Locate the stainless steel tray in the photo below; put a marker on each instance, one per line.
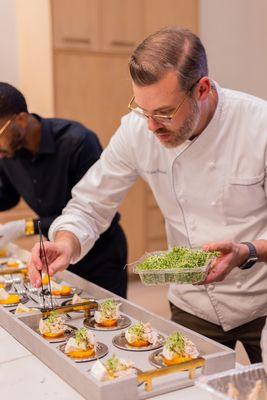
(242, 379)
(217, 357)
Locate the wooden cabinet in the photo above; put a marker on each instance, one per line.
(75, 24)
(97, 25)
(121, 25)
(158, 13)
(92, 83)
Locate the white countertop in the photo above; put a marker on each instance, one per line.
(23, 376)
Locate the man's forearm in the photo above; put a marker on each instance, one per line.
(261, 247)
(69, 240)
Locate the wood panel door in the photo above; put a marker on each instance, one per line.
(75, 24)
(180, 13)
(121, 25)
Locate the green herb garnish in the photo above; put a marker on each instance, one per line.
(81, 335)
(178, 257)
(175, 343)
(180, 265)
(112, 363)
(53, 316)
(108, 308)
(137, 329)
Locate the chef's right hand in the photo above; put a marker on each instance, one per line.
(58, 257)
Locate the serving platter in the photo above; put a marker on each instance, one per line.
(23, 328)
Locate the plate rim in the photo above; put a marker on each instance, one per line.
(112, 328)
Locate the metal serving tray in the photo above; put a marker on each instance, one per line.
(243, 380)
(23, 327)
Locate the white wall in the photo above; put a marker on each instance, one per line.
(8, 42)
(234, 33)
(35, 54)
(26, 51)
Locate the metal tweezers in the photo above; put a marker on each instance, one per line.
(44, 259)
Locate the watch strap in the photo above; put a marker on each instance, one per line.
(252, 256)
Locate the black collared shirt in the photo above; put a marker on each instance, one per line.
(67, 150)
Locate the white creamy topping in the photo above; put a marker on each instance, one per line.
(101, 317)
(52, 327)
(190, 350)
(3, 294)
(2, 279)
(74, 345)
(149, 335)
(99, 371)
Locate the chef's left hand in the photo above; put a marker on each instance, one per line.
(232, 255)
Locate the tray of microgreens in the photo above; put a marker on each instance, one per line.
(179, 265)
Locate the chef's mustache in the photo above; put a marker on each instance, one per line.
(162, 130)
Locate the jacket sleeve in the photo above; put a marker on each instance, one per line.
(9, 197)
(96, 198)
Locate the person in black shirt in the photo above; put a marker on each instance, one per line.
(41, 159)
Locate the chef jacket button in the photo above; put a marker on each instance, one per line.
(238, 285)
(213, 203)
(182, 200)
(212, 165)
(35, 181)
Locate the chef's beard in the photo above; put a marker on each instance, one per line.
(186, 131)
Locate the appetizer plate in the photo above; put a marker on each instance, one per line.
(74, 290)
(63, 338)
(68, 303)
(156, 359)
(101, 351)
(121, 342)
(123, 322)
(23, 300)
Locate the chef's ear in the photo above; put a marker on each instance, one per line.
(22, 120)
(203, 88)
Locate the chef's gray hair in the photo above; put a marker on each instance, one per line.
(169, 49)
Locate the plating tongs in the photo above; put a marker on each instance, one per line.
(44, 259)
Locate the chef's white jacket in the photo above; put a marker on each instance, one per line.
(210, 189)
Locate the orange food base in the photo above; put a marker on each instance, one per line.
(54, 335)
(139, 343)
(12, 298)
(12, 264)
(2, 285)
(64, 291)
(82, 353)
(176, 360)
(108, 322)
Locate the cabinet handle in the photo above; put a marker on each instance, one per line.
(77, 40)
(122, 43)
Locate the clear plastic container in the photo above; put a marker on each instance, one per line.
(241, 380)
(166, 276)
